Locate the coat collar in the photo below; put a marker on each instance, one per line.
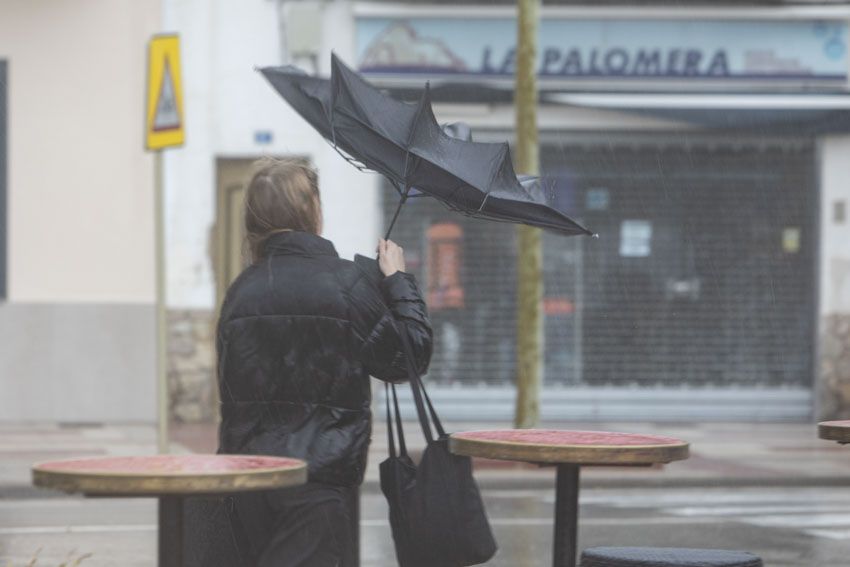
(299, 243)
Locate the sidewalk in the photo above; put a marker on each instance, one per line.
(722, 454)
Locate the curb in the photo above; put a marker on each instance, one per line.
(27, 492)
(548, 483)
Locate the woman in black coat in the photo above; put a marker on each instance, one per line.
(300, 332)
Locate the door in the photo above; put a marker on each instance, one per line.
(231, 254)
(230, 257)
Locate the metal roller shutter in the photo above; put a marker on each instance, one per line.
(703, 275)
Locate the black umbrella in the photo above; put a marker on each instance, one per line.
(405, 143)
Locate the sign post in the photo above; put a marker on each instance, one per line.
(164, 128)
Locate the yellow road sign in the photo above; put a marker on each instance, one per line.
(164, 121)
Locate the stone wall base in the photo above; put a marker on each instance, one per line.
(834, 367)
(193, 391)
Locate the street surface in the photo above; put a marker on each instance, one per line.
(790, 526)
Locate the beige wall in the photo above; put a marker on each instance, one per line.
(80, 185)
(77, 331)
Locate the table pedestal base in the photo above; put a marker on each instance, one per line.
(565, 549)
(170, 531)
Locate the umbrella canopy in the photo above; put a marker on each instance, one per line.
(404, 142)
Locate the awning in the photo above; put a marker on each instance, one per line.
(795, 113)
(798, 113)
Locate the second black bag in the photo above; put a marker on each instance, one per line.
(436, 512)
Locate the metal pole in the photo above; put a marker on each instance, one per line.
(354, 509)
(564, 550)
(170, 548)
(161, 314)
(401, 203)
(529, 353)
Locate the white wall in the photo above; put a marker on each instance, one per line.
(226, 102)
(80, 184)
(834, 236)
(188, 172)
(351, 199)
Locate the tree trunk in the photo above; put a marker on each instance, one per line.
(529, 367)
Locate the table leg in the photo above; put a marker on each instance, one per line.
(354, 509)
(170, 531)
(565, 552)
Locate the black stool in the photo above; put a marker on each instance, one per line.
(666, 557)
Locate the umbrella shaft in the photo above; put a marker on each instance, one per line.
(397, 211)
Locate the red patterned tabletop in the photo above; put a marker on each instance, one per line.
(169, 474)
(835, 431)
(569, 446)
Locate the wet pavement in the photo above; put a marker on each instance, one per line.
(786, 526)
(773, 489)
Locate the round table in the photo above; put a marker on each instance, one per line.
(568, 451)
(835, 431)
(171, 478)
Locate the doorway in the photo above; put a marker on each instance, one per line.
(230, 257)
(230, 249)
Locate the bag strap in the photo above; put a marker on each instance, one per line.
(390, 434)
(419, 393)
(437, 423)
(401, 443)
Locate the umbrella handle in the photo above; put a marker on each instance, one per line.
(397, 211)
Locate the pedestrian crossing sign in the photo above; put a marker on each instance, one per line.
(164, 122)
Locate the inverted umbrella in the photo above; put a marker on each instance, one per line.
(404, 142)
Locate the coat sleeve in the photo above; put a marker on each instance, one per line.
(382, 310)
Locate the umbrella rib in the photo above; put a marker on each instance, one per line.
(484, 202)
(423, 102)
(493, 176)
(357, 164)
(396, 144)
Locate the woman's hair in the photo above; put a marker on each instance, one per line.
(283, 195)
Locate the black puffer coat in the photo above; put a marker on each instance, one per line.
(299, 334)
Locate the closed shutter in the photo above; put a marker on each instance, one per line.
(702, 274)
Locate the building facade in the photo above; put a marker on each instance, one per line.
(705, 146)
(76, 212)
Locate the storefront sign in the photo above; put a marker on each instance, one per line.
(610, 49)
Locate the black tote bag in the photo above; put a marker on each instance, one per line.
(436, 513)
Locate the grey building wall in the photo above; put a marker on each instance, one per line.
(77, 363)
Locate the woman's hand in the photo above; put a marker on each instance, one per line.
(390, 257)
